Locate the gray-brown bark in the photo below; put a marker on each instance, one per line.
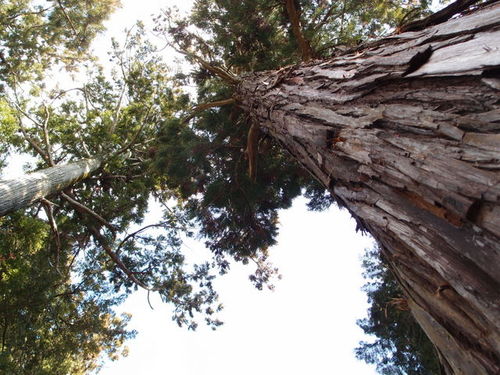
(23, 191)
(405, 133)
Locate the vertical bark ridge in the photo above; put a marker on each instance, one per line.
(405, 135)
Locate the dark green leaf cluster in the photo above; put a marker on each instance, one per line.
(331, 25)
(400, 346)
(236, 215)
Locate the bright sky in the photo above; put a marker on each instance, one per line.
(306, 326)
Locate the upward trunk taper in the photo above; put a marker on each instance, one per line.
(405, 135)
(22, 191)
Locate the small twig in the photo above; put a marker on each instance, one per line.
(137, 232)
(46, 136)
(149, 302)
(84, 145)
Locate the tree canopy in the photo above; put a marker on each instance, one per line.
(49, 323)
(35, 35)
(83, 249)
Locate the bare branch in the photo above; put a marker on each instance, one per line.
(32, 142)
(47, 206)
(201, 107)
(84, 145)
(225, 75)
(21, 14)
(67, 17)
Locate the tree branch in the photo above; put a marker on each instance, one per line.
(219, 72)
(33, 143)
(116, 259)
(46, 136)
(67, 17)
(325, 19)
(251, 150)
(131, 235)
(294, 18)
(47, 206)
(201, 107)
(80, 207)
(135, 136)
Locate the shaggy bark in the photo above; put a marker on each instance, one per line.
(23, 191)
(405, 133)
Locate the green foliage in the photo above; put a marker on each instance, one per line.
(8, 127)
(331, 24)
(400, 346)
(35, 35)
(58, 292)
(47, 325)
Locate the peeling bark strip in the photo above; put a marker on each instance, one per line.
(22, 191)
(406, 136)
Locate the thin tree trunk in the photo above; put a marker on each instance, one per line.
(405, 133)
(23, 191)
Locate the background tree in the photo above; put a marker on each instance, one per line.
(89, 250)
(400, 346)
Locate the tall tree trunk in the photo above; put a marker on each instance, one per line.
(405, 135)
(22, 191)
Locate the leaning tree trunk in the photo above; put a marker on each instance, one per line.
(405, 134)
(22, 191)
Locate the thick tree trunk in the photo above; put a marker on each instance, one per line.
(23, 191)
(405, 133)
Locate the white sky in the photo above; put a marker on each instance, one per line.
(306, 326)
